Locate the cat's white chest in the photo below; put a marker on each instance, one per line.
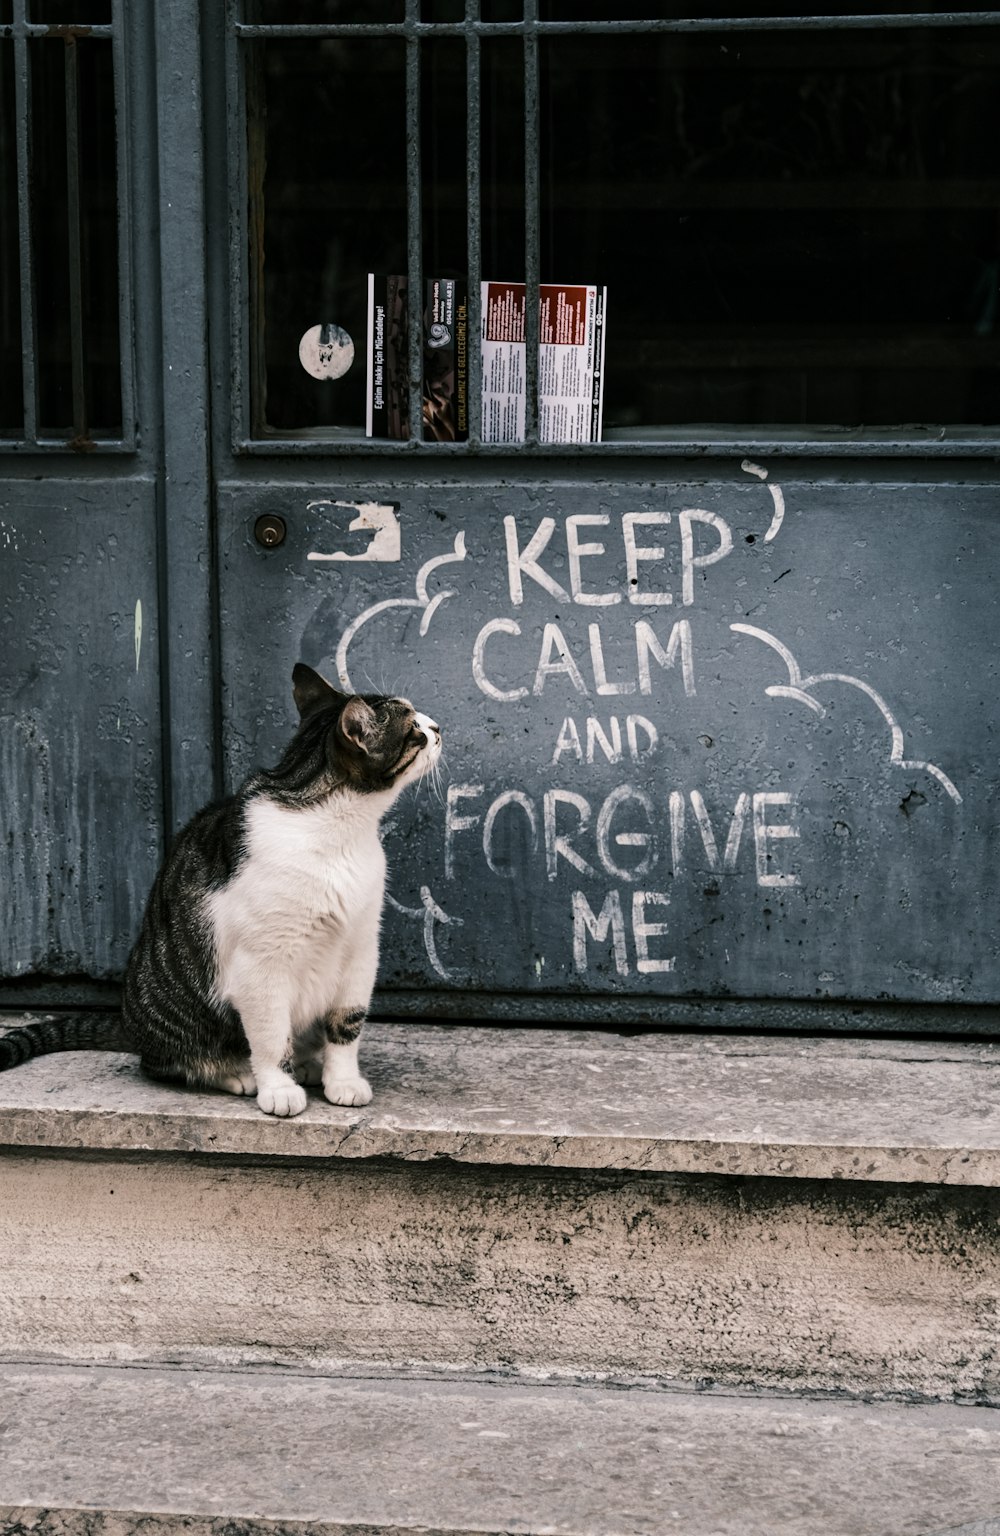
(305, 903)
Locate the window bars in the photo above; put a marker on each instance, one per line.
(64, 305)
(253, 22)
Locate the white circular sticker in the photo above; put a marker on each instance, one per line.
(326, 351)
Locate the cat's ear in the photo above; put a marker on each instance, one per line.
(310, 690)
(356, 724)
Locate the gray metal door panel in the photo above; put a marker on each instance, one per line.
(80, 733)
(707, 739)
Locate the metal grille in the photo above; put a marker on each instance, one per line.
(65, 306)
(414, 32)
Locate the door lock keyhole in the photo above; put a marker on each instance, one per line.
(269, 531)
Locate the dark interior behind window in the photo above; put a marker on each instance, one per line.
(797, 227)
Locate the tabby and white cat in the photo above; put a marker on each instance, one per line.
(254, 968)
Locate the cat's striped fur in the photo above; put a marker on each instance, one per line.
(255, 964)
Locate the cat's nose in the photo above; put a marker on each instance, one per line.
(430, 728)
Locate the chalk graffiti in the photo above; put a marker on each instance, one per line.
(625, 863)
(777, 496)
(556, 659)
(429, 914)
(798, 688)
(626, 818)
(423, 600)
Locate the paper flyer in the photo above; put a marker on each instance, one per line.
(571, 321)
(445, 357)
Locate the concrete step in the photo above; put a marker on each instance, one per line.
(134, 1452)
(770, 1212)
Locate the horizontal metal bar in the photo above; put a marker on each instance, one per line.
(39, 29)
(876, 22)
(985, 446)
(98, 445)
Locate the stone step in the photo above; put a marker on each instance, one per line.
(771, 1212)
(780, 1106)
(133, 1452)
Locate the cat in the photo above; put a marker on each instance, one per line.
(254, 967)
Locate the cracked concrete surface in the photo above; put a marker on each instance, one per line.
(777, 1213)
(774, 1106)
(160, 1451)
(775, 1284)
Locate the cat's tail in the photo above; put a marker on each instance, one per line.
(66, 1032)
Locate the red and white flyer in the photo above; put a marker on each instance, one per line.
(570, 362)
(503, 383)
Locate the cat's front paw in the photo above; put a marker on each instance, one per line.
(283, 1099)
(348, 1090)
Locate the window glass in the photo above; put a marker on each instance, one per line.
(76, 268)
(328, 206)
(454, 10)
(724, 10)
(442, 10)
(321, 221)
(321, 12)
(502, 145)
(64, 13)
(442, 159)
(794, 227)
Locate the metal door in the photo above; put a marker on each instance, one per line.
(107, 736)
(718, 706)
(718, 700)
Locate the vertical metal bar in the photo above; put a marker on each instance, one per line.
(474, 214)
(254, 143)
(186, 600)
(414, 263)
(531, 220)
(22, 99)
(126, 362)
(243, 404)
(74, 227)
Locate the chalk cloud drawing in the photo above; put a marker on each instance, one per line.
(423, 600)
(373, 517)
(777, 496)
(798, 687)
(430, 914)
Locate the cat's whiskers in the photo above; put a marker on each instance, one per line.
(436, 779)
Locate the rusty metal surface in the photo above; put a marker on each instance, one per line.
(730, 739)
